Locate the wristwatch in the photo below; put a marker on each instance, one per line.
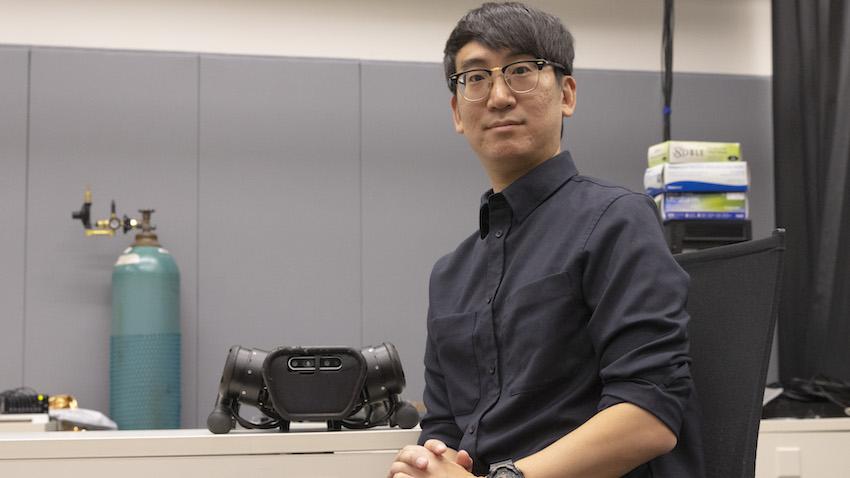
(504, 469)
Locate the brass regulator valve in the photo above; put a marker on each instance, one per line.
(104, 227)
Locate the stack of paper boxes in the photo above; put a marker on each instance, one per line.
(695, 180)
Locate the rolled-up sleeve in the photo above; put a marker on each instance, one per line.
(638, 326)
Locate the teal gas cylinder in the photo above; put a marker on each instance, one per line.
(144, 371)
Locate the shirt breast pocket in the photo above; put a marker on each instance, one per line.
(454, 338)
(543, 324)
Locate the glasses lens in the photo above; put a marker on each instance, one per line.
(522, 77)
(475, 84)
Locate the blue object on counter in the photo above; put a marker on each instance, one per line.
(144, 372)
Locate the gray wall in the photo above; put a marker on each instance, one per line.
(14, 71)
(304, 200)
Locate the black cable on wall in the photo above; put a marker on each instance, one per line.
(667, 69)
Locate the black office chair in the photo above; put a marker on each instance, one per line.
(733, 302)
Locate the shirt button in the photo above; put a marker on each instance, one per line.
(470, 429)
(498, 233)
(491, 370)
(489, 299)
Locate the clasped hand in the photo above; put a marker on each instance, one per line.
(433, 460)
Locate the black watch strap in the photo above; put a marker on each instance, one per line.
(504, 469)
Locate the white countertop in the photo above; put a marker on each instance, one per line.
(784, 425)
(195, 442)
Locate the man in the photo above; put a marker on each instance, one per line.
(556, 333)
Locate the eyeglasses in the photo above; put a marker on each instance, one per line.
(520, 76)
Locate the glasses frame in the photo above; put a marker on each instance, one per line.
(454, 80)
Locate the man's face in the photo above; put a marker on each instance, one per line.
(512, 131)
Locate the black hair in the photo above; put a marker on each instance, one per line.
(513, 26)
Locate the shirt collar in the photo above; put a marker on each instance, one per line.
(530, 190)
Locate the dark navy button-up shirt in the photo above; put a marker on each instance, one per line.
(565, 302)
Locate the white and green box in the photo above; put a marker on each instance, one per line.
(693, 152)
(696, 177)
(677, 206)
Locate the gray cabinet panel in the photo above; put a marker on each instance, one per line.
(617, 118)
(421, 189)
(126, 124)
(279, 223)
(14, 64)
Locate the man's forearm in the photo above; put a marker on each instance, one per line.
(610, 444)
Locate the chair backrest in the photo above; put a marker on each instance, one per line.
(733, 304)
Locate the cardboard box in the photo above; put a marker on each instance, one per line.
(677, 206)
(697, 177)
(693, 152)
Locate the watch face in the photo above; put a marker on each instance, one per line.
(505, 473)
